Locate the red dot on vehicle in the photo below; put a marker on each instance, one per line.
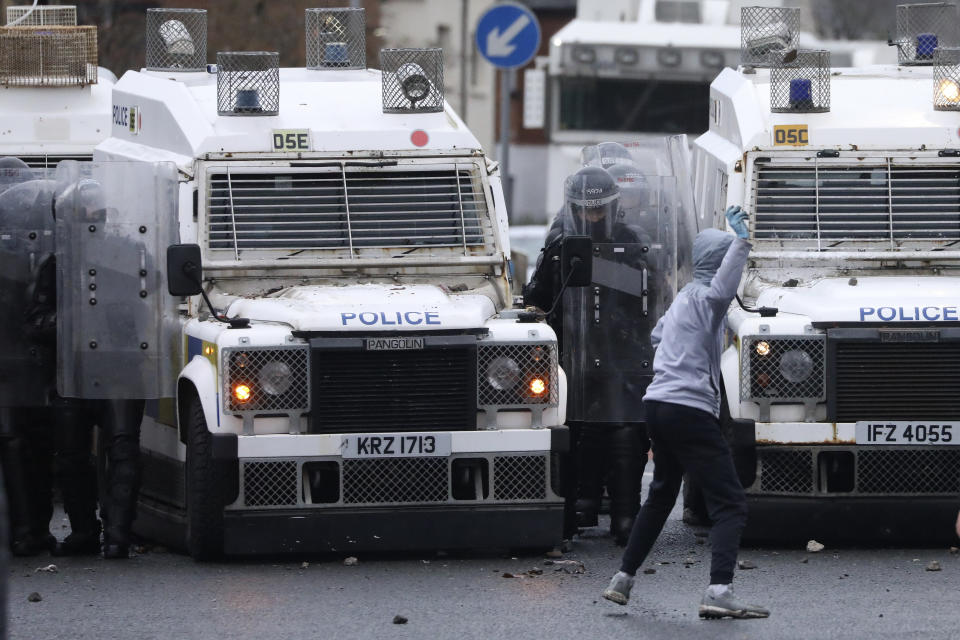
(419, 138)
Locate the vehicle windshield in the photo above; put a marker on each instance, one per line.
(645, 106)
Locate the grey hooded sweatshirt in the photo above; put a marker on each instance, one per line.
(688, 339)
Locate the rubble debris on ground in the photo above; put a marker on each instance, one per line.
(746, 564)
(649, 571)
(567, 566)
(50, 568)
(34, 597)
(398, 619)
(933, 565)
(349, 562)
(815, 547)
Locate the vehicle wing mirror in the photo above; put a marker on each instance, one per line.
(577, 261)
(184, 270)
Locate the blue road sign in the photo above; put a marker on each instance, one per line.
(508, 35)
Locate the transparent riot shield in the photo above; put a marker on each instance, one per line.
(607, 355)
(27, 336)
(117, 327)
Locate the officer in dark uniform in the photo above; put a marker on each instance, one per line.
(27, 364)
(119, 419)
(605, 348)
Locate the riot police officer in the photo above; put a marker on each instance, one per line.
(605, 347)
(118, 419)
(26, 368)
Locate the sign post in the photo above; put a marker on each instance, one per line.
(508, 36)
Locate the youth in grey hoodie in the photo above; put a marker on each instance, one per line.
(688, 338)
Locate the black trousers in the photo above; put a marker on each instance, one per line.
(687, 439)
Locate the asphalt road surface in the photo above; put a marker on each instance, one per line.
(836, 593)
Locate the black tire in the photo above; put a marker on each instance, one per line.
(204, 491)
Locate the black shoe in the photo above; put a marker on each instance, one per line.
(32, 544)
(620, 527)
(79, 543)
(587, 513)
(116, 551)
(694, 518)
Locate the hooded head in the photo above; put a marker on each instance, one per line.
(709, 247)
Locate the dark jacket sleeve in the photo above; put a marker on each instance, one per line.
(542, 288)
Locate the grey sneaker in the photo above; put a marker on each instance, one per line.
(619, 588)
(721, 603)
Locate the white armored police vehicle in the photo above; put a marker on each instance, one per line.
(55, 101)
(356, 378)
(843, 382)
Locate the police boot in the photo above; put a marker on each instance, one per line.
(120, 423)
(77, 475)
(591, 471)
(23, 539)
(627, 464)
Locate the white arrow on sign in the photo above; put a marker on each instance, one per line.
(498, 45)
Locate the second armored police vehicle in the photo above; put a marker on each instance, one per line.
(844, 374)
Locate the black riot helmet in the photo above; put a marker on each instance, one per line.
(591, 197)
(613, 153)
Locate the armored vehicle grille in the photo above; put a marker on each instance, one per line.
(883, 381)
(371, 391)
(396, 480)
(346, 208)
(801, 471)
(922, 471)
(870, 202)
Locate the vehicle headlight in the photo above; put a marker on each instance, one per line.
(275, 377)
(503, 373)
(796, 365)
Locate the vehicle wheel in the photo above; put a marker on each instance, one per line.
(204, 499)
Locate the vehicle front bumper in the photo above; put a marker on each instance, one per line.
(411, 528)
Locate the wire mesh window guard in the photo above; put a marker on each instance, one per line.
(801, 86)
(248, 83)
(336, 39)
(347, 208)
(54, 15)
(412, 80)
(766, 30)
(946, 79)
(176, 39)
(874, 201)
(921, 28)
(48, 56)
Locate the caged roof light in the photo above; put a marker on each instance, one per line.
(336, 39)
(921, 28)
(61, 15)
(412, 80)
(765, 31)
(946, 79)
(48, 56)
(176, 39)
(248, 83)
(801, 85)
